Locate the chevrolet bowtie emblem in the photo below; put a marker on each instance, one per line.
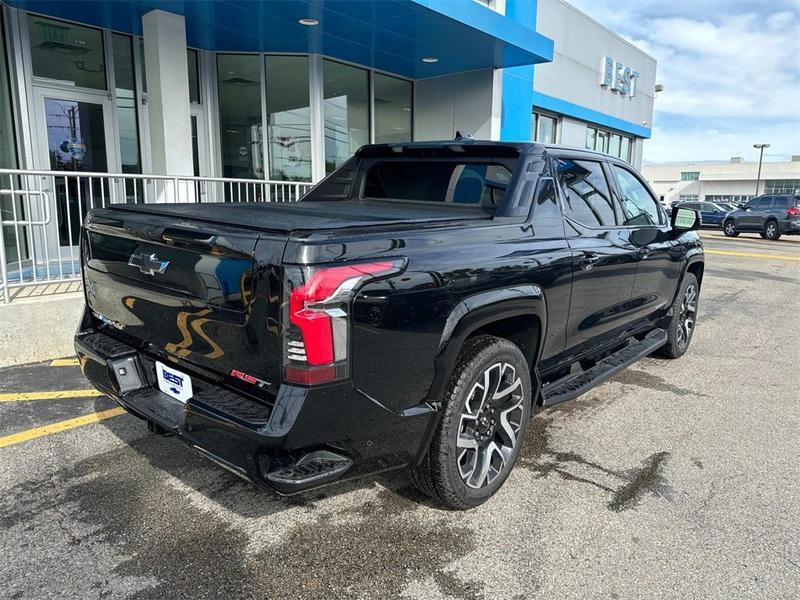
(149, 264)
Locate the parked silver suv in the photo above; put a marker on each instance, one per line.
(772, 216)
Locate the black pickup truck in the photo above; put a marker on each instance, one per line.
(414, 309)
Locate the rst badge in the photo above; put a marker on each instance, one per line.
(149, 264)
(174, 383)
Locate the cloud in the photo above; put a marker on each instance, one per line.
(732, 66)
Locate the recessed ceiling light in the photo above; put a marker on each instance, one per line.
(430, 59)
(308, 21)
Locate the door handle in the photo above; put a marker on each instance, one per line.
(588, 260)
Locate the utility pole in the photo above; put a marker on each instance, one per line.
(760, 158)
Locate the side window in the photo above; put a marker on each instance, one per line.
(782, 202)
(638, 206)
(547, 222)
(765, 203)
(587, 196)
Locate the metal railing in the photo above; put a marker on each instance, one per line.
(41, 213)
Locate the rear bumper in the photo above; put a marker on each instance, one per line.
(299, 439)
(789, 227)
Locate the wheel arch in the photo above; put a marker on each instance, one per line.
(515, 313)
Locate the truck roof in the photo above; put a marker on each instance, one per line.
(472, 147)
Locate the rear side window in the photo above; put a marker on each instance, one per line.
(586, 193)
(480, 184)
(784, 202)
(638, 206)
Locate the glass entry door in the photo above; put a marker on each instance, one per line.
(76, 135)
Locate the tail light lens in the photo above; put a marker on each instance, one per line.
(793, 212)
(317, 317)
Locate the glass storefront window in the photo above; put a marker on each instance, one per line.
(545, 129)
(625, 149)
(591, 137)
(67, 52)
(602, 141)
(393, 99)
(346, 111)
(239, 78)
(614, 146)
(192, 61)
(8, 155)
(125, 81)
(288, 118)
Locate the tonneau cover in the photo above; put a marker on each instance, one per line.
(312, 215)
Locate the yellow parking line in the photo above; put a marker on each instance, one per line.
(32, 434)
(64, 362)
(62, 395)
(754, 255)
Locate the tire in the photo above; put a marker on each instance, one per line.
(684, 318)
(771, 231)
(729, 228)
(476, 430)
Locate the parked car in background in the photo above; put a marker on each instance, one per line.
(772, 216)
(712, 214)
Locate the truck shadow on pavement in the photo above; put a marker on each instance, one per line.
(159, 512)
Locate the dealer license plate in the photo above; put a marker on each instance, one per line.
(174, 383)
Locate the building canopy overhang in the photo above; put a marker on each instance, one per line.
(389, 35)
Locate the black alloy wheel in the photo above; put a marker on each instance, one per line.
(485, 413)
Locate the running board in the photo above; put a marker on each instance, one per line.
(574, 385)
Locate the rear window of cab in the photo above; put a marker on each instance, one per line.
(476, 183)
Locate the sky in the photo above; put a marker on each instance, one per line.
(730, 70)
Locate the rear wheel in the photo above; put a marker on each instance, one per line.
(729, 228)
(684, 318)
(485, 413)
(771, 231)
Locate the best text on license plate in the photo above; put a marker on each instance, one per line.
(172, 382)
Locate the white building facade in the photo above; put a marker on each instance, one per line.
(735, 181)
(598, 91)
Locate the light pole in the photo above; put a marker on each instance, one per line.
(760, 158)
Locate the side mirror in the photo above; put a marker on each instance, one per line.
(685, 219)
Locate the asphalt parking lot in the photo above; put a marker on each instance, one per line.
(673, 479)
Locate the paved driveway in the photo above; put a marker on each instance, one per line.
(674, 479)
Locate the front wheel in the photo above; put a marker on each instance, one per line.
(485, 413)
(729, 228)
(684, 317)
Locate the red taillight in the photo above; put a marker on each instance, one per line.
(793, 212)
(317, 331)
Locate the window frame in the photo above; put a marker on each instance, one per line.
(535, 116)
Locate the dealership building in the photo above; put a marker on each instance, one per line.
(160, 100)
(287, 90)
(734, 181)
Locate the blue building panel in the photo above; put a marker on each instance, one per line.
(587, 114)
(515, 120)
(390, 35)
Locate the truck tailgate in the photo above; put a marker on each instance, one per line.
(178, 287)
